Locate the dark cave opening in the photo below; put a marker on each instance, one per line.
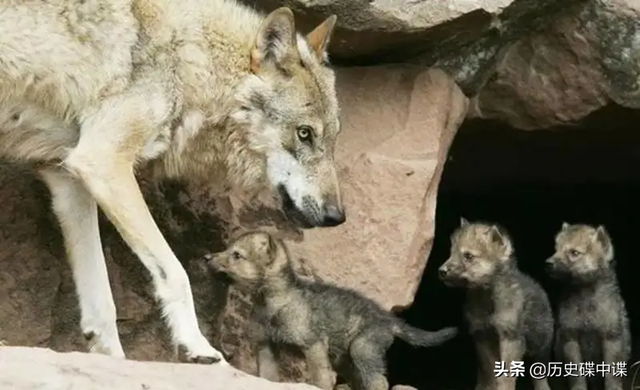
(530, 182)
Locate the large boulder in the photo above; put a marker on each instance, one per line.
(464, 37)
(582, 61)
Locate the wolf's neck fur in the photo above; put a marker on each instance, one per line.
(204, 144)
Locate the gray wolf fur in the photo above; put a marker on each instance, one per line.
(337, 329)
(592, 323)
(508, 312)
(204, 91)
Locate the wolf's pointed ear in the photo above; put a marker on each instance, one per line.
(276, 40)
(565, 225)
(463, 222)
(602, 237)
(320, 36)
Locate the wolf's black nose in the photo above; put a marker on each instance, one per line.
(333, 216)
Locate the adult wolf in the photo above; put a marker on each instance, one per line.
(204, 90)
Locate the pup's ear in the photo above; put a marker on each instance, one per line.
(275, 42)
(602, 237)
(320, 36)
(496, 236)
(565, 225)
(463, 222)
(499, 237)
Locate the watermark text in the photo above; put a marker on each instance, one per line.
(538, 370)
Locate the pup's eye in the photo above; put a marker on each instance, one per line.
(468, 256)
(305, 133)
(235, 255)
(574, 252)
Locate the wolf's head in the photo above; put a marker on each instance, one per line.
(253, 260)
(582, 253)
(479, 251)
(290, 112)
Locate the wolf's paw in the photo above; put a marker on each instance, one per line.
(203, 354)
(105, 343)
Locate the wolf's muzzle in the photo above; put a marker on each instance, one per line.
(333, 216)
(312, 216)
(291, 211)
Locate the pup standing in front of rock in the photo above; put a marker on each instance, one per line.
(336, 328)
(593, 325)
(509, 314)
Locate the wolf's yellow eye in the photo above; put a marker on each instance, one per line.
(305, 133)
(574, 252)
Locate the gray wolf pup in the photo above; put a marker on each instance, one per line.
(592, 319)
(205, 91)
(337, 329)
(509, 314)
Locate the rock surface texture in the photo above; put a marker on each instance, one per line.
(579, 63)
(531, 63)
(43, 369)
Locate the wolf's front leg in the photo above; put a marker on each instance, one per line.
(572, 354)
(612, 353)
(112, 138)
(268, 367)
(511, 350)
(486, 357)
(77, 215)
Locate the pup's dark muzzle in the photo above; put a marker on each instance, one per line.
(442, 273)
(554, 268)
(214, 269)
(222, 277)
(449, 277)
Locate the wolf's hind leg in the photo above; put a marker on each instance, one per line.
(268, 367)
(367, 354)
(77, 214)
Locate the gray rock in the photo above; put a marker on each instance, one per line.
(583, 61)
(463, 37)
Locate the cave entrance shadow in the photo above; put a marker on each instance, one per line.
(530, 182)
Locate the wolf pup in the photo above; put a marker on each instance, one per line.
(592, 318)
(206, 91)
(509, 314)
(337, 329)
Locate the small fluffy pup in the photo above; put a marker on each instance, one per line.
(593, 325)
(337, 329)
(508, 312)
